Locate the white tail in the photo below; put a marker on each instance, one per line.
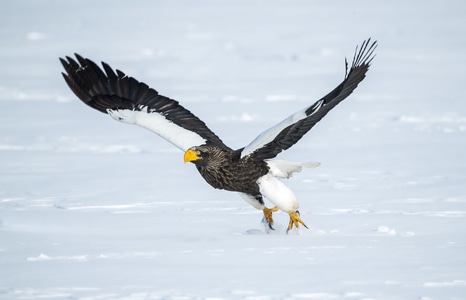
(285, 169)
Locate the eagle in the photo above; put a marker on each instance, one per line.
(250, 171)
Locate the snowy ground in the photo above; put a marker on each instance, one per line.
(94, 209)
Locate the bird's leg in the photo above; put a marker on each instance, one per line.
(295, 220)
(268, 215)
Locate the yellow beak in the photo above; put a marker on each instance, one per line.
(190, 155)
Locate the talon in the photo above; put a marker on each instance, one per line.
(295, 220)
(268, 215)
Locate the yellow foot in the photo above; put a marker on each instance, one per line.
(268, 215)
(295, 220)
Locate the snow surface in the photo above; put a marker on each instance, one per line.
(95, 209)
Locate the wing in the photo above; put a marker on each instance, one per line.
(286, 133)
(128, 100)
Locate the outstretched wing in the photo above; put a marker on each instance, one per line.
(128, 100)
(286, 133)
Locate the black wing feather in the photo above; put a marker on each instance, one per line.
(106, 90)
(294, 132)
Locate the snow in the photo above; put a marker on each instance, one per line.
(95, 209)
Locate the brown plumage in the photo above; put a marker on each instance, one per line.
(223, 169)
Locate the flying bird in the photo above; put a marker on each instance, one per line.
(250, 171)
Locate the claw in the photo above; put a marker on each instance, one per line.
(268, 215)
(295, 220)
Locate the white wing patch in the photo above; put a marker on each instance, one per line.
(271, 133)
(251, 200)
(177, 135)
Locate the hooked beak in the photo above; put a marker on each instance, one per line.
(191, 155)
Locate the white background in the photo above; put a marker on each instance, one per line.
(94, 209)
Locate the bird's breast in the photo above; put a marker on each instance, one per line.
(238, 177)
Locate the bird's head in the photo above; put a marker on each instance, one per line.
(196, 155)
(207, 156)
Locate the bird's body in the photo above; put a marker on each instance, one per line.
(229, 172)
(250, 171)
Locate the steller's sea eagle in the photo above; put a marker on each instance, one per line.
(251, 170)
